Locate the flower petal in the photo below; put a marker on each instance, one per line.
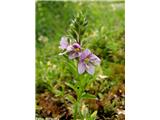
(73, 55)
(90, 69)
(64, 43)
(70, 48)
(76, 45)
(81, 67)
(94, 59)
(85, 54)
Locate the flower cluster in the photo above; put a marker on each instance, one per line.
(86, 59)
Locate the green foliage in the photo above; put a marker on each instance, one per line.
(104, 36)
(78, 27)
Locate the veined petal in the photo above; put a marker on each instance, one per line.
(81, 67)
(79, 53)
(85, 54)
(70, 48)
(73, 55)
(64, 43)
(76, 45)
(94, 59)
(90, 69)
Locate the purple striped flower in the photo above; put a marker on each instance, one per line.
(87, 62)
(73, 50)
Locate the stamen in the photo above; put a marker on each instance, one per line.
(77, 49)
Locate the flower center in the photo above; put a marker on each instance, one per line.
(77, 49)
(86, 60)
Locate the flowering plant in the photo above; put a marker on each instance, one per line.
(71, 45)
(87, 60)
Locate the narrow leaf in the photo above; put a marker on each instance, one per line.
(88, 96)
(71, 86)
(71, 98)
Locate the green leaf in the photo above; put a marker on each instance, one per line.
(88, 96)
(57, 92)
(71, 86)
(71, 98)
(94, 114)
(76, 110)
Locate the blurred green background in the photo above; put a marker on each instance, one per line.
(105, 36)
